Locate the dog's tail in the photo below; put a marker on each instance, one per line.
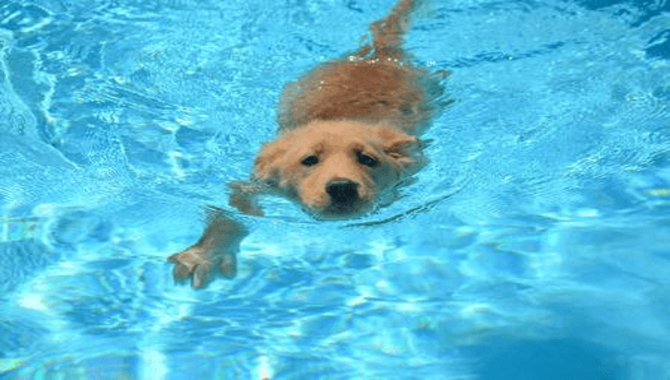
(388, 33)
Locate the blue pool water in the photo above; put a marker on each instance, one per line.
(535, 246)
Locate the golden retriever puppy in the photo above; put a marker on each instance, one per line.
(334, 168)
(347, 135)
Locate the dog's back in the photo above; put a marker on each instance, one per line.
(377, 83)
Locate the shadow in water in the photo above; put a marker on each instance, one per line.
(547, 360)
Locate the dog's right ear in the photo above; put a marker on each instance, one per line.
(266, 167)
(403, 149)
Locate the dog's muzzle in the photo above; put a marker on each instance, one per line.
(342, 192)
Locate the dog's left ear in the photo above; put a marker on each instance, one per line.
(266, 168)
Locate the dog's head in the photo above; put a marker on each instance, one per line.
(338, 169)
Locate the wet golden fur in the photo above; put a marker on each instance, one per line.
(359, 116)
(348, 133)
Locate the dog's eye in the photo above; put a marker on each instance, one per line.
(310, 160)
(367, 160)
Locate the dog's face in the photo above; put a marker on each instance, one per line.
(338, 169)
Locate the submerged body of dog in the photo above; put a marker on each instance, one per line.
(347, 134)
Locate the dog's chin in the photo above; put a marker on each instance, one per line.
(341, 211)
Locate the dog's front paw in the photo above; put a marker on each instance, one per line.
(202, 266)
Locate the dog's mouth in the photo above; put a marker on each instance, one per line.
(344, 201)
(341, 199)
(338, 211)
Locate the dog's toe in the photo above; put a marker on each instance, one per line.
(180, 273)
(201, 276)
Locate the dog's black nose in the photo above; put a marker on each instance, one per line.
(342, 191)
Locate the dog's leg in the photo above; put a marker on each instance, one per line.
(244, 196)
(214, 254)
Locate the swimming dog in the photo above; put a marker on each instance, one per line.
(348, 134)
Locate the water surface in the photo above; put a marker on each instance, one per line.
(536, 245)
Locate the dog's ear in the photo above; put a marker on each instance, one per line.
(397, 144)
(266, 167)
(403, 149)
